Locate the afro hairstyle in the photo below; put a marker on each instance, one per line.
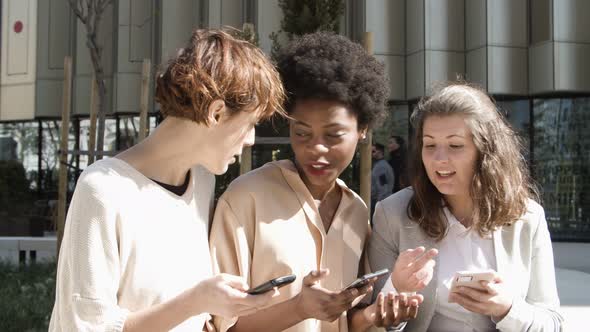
(324, 65)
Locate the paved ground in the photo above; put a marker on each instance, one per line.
(574, 293)
(572, 262)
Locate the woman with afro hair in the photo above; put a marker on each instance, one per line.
(296, 216)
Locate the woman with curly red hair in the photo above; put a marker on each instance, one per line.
(135, 254)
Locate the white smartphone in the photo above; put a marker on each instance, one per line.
(472, 278)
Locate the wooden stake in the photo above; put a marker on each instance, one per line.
(246, 157)
(366, 145)
(246, 160)
(63, 155)
(143, 103)
(93, 112)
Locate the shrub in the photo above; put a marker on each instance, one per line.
(28, 294)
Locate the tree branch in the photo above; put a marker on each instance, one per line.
(90, 13)
(78, 9)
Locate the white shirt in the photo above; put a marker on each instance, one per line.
(129, 244)
(460, 250)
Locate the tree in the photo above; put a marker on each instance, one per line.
(306, 16)
(89, 12)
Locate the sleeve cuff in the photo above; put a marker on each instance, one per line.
(397, 328)
(388, 287)
(117, 321)
(517, 317)
(224, 324)
(87, 312)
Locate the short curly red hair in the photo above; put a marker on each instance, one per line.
(217, 66)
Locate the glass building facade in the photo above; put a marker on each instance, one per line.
(531, 55)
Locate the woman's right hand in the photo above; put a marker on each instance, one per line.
(413, 269)
(317, 302)
(225, 295)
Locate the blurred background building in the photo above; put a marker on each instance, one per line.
(531, 55)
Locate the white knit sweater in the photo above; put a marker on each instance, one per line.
(129, 244)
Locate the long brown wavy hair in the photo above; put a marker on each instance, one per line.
(501, 184)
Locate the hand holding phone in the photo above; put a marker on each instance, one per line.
(494, 299)
(362, 281)
(472, 279)
(276, 282)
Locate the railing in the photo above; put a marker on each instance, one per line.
(27, 249)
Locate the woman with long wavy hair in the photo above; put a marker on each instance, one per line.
(473, 201)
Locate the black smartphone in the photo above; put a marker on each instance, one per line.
(362, 281)
(276, 282)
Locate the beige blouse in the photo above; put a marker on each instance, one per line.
(267, 225)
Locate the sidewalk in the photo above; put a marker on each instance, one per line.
(574, 294)
(572, 271)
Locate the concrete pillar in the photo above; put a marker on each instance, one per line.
(560, 49)
(135, 42)
(435, 44)
(496, 50)
(386, 19)
(55, 33)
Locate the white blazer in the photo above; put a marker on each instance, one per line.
(524, 257)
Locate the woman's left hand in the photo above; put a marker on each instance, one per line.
(493, 300)
(391, 310)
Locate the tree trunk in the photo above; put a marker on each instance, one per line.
(102, 95)
(95, 56)
(89, 12)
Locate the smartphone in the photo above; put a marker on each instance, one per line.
(276, 282)
(362, 281)
(472, 278)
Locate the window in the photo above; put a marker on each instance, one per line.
(128, 132)
(19, 141)
(518, 114)
(400, 121)
(561, 164)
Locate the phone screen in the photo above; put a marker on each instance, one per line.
(472, 278)
(276, 282)
(362, 281)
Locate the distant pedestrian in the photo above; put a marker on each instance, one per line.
(382, 176)
(398, 161)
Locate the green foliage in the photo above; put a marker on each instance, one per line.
(28, 294)
(306, 16)
(248, 33)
